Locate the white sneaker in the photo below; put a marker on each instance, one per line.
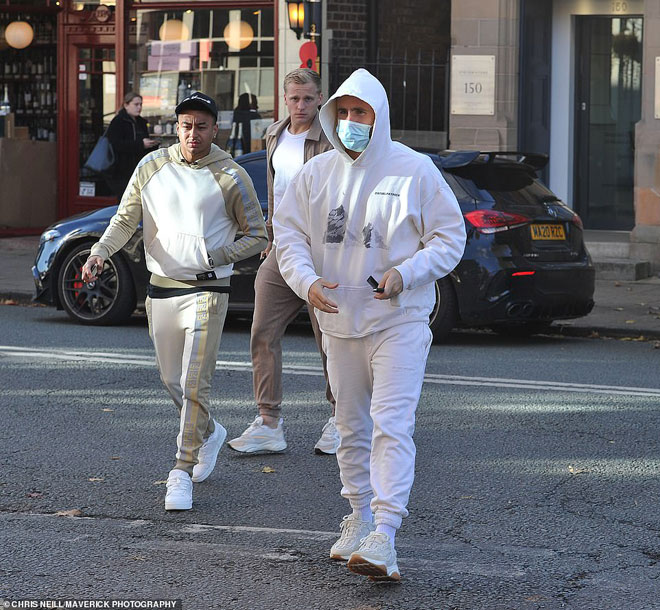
(179, 491)
(260, 438)
(375, 558)
(329, 440)
(208, 454)
(353, 530)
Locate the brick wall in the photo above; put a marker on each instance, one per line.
(348, 47)
(414, 25)
(417, 30)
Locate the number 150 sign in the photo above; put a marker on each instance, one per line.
(473, 84)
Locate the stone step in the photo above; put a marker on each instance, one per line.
(621, 269)
(608, 249)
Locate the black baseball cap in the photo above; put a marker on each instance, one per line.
(198, 101)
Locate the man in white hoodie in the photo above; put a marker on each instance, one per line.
(192, 199)
(370, 208)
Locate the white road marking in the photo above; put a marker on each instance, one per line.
(231, 365)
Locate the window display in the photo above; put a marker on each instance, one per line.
(224, 53)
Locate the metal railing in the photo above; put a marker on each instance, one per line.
(417, 87)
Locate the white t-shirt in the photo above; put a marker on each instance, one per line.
(288, 158)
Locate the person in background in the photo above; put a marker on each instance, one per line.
(192, 200)
(289, 144)
(129, 136)
(254, 105)
(362, 233)
(243, 114)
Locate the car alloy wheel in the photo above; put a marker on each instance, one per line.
(108, 300)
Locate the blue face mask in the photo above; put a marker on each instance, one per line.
(354, 136)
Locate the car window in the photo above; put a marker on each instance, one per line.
(507, 186)
(456, 185)
(257, 170)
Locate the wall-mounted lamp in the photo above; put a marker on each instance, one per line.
(19, 34)
(296, 16)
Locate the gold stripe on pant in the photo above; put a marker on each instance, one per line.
(186, 332)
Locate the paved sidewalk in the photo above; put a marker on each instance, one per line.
(623, 309)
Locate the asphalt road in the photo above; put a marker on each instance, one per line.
(537, 479)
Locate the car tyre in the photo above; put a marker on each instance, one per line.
(444, 315)
(110, 300)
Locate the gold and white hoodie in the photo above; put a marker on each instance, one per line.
(344, 220)
(189, 211)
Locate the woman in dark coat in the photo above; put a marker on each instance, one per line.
(243, 114)
(129, 136)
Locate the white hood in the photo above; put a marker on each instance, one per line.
(364, 85)
(344, 220)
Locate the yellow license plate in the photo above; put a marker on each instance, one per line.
(548, 232)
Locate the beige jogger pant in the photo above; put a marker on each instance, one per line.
(275, 307)
(186, 332)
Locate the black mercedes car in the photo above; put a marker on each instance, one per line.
(525, 263)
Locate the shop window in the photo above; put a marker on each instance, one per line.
(224, 53)
(28, 71)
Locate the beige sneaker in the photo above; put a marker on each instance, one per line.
(353, 530)
(259, 438)
(329, 440)
(376, 558)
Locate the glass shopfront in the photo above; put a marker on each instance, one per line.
(226, 53)
(65, 66)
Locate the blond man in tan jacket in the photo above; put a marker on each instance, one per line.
(289, 144)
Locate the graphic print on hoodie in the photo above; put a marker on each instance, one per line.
(344, 220)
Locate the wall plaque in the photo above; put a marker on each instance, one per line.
(473, 84)
(657, 88)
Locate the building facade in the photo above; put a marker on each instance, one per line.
(575, 79)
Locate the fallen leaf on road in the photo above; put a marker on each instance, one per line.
(34, 494)
(95, 479)
(617, 284)
(160, 482)
(74, 512)
(138, 558)
(8, 302)
(107, 410)
(267, 469)
(115, 457)
(618, 309)
(574, 470)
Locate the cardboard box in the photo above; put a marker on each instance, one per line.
(7, 126)
(21, 133)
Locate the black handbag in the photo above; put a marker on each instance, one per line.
(102, 157)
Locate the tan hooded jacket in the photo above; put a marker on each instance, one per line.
(316, 142)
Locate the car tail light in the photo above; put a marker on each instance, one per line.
(492, 221)
(522, 273)
(577, 221)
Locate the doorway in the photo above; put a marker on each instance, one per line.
(608, 96)
(91, 97)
